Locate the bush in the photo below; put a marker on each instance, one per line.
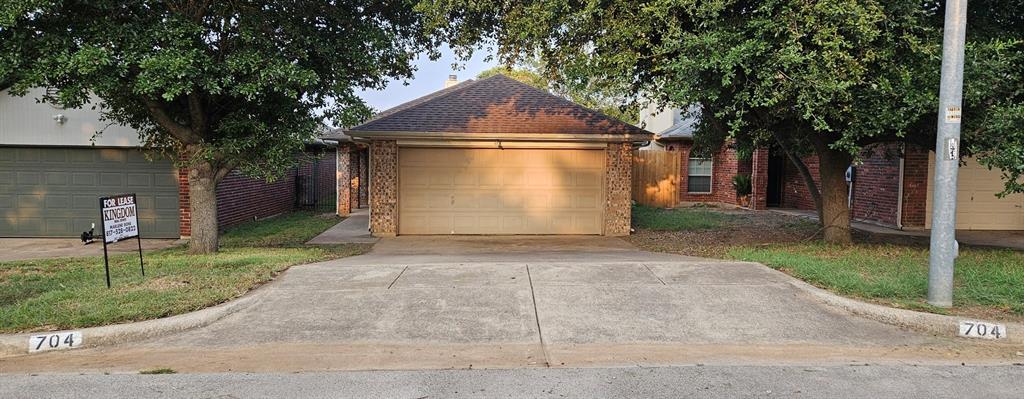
(742, 185)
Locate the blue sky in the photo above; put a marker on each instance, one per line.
(429, 77)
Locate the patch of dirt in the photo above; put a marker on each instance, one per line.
(751, 228)
(743, 228)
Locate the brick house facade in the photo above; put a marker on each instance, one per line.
(890, 186)
(889, 189)
(725, 165)
(497, 156)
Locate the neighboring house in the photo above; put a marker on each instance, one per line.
(52, 175)
(890, 187)
(496, 156)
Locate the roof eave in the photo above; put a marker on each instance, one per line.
(552, 137)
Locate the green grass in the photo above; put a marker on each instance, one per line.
(158, 371)
(52, 294)
(986, 280)
(658, 219)
(288, 230)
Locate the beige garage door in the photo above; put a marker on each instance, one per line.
(500, 191)
(977, 206)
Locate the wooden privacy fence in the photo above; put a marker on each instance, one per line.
(656, 178)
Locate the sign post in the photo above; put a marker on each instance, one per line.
(120, 218)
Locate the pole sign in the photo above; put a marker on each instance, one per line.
(120, 218)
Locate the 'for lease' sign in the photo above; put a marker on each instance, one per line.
(120, 217)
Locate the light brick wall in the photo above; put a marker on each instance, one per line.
(618, 201)
(384, 188)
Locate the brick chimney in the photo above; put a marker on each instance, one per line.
(452, 81)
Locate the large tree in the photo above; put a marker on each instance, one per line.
(219, 85)
(826, 77)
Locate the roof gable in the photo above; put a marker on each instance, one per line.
(495, 105)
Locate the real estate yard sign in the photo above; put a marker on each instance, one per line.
(120, 216)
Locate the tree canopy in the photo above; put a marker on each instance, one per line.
(224, 84)
(617, 105)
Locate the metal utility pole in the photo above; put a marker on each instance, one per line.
(947, 157)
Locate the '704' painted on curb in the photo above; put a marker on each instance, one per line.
(47, 342)
(980, 329)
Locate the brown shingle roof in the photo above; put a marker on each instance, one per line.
(495, 105)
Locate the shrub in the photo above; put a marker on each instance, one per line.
(742, 185)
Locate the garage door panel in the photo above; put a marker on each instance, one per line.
(57, 202)
(58, 178)
(166, 202)
(591, 179)
(84, 179)
(139, 180)
(112, 179)
(56, 226)
(491, 191)
(30, 201)
(56, 191)
(978, 208)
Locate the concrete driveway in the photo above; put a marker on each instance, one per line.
(443, 302)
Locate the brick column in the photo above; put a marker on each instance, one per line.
(364, 178)
(343, 180)
(357, 181)
(759, 179)
(184, 208)
(384, 188)
(915, 187)
(618, 170)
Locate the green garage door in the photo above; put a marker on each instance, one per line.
(54, 192)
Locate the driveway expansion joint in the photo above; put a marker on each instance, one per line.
(398, 277)
(648, 267)
(536, 316)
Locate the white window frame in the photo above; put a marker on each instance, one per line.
(710, 175)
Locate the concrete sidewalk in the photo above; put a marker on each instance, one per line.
(1013, 239)
(522, 302)
(39, 248)
(355, 229)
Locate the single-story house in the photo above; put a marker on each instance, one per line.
(52, 175)
(890, 187)
(497, 156)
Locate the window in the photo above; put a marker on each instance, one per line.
(699, 175)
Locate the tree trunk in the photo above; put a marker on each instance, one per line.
(835, 209)
(202, 190)
(805, 173)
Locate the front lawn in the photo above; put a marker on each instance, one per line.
(987, 282)
(886, 269)
(54, 294)
(658, 219)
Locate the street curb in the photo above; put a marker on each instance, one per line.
(937, 324)
(17, 344)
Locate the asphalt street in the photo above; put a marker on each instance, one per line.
(848, 381)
